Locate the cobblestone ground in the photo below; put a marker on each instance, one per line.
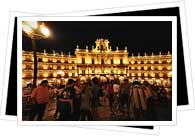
(103, 112)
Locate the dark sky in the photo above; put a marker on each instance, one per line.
(138, 36)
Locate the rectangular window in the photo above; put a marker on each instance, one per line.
(121, 61)
(102, 61)
(112, 61)
(83, 60)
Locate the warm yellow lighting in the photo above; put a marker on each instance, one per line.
(45, 59)
(54, 74)
(33, 24)
(132, 62)
(54, 60)
(27, 29)
(159, 61)
(160, 74)
(169, 68)
(45, 74)
(54, 67)
(45, 66)
(139, 74)
(23, 66)
(159, 68)
(23, 58)
(168, 60)
(69, 74)
(62, 67)
(23, 75)
(145, 68)
(145, 74)
(145, 61)
(169, 74)
(152, 67)
(152, 74)
(132, 74)
(62, 60)
(138, 62)
(44, 30)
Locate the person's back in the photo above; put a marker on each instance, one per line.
(95, 91)
(85, 100)
(40, 98)
(110, 89)
(41, 94)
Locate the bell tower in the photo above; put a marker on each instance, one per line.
(102, 44)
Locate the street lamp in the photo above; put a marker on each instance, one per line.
(35, 30)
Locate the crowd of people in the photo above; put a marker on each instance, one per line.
(80, 100)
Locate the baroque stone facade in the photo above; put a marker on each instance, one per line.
(101, 61)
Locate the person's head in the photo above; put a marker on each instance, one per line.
(95, 80)
(126, 81)
(84, 87)
(44, 83)
(70, 82)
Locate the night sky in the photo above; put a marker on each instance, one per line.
(138, 36)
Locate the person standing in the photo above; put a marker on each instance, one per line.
(110, 95)
(125, 95)
(40, 98)
(95, 97)
(58, 92)
(85, 103)
(66, 99)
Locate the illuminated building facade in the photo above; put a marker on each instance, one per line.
(100, 61)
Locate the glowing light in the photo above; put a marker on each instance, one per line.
(27, 29)
(160, 74)
(45, 66)
(145, 68)
(132, 74)
(33, 24)
(45, 59)
(44, 30)
(69, 74)
(145, 74)
(169, 68)
(54, 60)
(159, 68)
(138, 62)
(169, 74)
(45, 74)
(152, 67)
(54, 67)
(168, 60)
(132, 62)
(54, 74)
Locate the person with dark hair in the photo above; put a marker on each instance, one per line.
(125, 95)
(85, 103)
(110, 95)
(58, 92)
(40, 98)
(77, 100)
(66, 100)
(95, 97)
(101, 94)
